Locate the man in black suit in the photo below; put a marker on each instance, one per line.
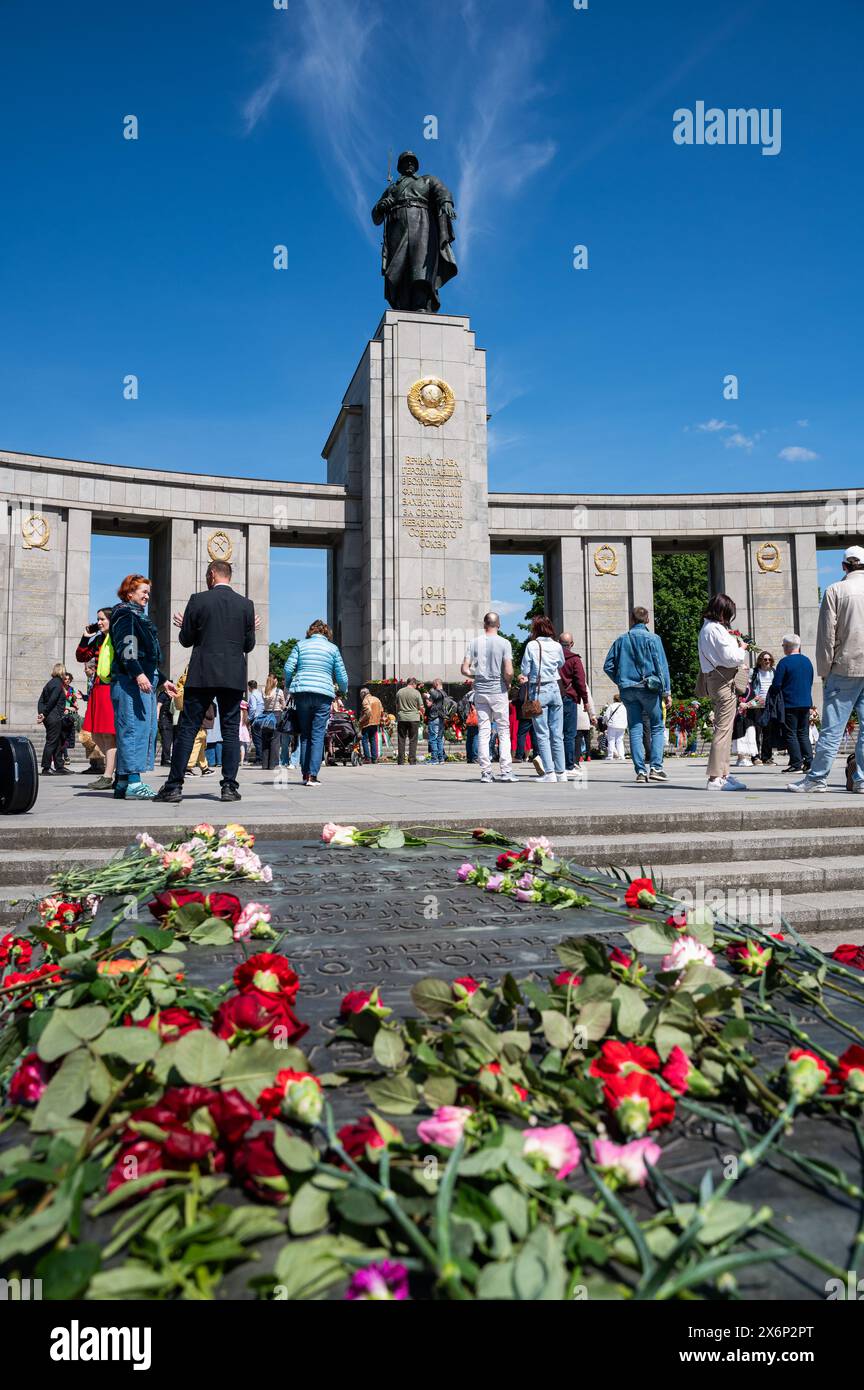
(220, 627)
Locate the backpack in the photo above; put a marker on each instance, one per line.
(450, 707)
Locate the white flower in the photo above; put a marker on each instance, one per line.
(538, 848)
(687, 948)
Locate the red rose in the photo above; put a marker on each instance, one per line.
(171, 1024)
(233, 1115)
(640, 893)
(269, 973)
(256, 1166)
(618, 957)
(354, 1002)
(186, 1146)
(173, 898)
(254, 1014)
(849, 954)
(678, 920)
(357, 1138)
(135, 1161)
(622, 1058)
(850, 1069)
(508, 857)
(638, 1103)
(465, 986)
(567, 977)
(223, 905)
(15, 950)
(18, 977)
(29, 1081)
(749, 957)
(677, 1070)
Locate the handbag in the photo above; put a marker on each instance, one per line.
(652, 683)
(532, 708)
(287, 721)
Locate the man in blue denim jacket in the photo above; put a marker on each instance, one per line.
(637, 664)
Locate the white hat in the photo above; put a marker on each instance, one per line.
(791, 640)
(855, 552)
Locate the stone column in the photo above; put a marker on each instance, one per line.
(733, 563)
(37, 608)
(7, 512)
(805, 580)
(345, 604)
(258, 589)
(76, 612)
(642, 574)
(565, 588)
(425, 504)
(772, 591)
(608, 607)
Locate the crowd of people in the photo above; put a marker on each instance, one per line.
(213, 717)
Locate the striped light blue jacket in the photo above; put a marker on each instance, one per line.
(314, 664)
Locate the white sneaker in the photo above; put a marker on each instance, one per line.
(744, 762)
(507, 777)
(806, 784)
(485, 776)
(725, 784)
(575, 774)
(537, 763)
(548, 777)
(562, 776)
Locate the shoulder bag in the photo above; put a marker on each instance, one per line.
(532, 708)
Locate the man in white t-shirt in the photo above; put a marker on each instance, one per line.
(489, 664)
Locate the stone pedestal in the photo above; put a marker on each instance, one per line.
(419, 460)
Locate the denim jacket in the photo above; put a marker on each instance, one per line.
(635, 655)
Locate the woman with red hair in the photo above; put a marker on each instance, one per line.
(135, 679)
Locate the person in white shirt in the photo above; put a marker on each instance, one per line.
(615, 716)
(720, 656)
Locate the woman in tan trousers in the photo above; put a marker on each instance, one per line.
(720, 656)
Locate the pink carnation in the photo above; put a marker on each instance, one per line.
(445, 1127)
(557, 1146)
(627, 1162)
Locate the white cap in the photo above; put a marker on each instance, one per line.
(791, 640)
(855, 552)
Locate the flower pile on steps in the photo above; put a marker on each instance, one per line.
(536, 1164)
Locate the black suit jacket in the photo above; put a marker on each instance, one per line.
(220, 626)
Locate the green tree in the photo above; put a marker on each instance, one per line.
(279, 654)
(535, 585)
(680, 594)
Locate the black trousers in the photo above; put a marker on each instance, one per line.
(406, 734)
(53, 725)
(798, 735)
(166, 732)
(196, 701)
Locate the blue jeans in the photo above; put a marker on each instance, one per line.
(638, 702)
(471, 734)
(313, 714)
(369, 739)
(548, 728)
(841, 694)
(213, 754)
(135, 718)
(571, 709)
(435, 735)
(256, 727)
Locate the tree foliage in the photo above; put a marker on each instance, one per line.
(680, 594)
(279, 653)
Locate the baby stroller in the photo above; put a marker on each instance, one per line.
(342, 740)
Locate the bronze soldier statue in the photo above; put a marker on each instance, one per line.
(416, 260)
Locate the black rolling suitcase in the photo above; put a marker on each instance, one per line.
(19, 775)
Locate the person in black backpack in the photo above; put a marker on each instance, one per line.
(50, 711)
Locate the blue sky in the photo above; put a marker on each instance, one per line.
(260, 126)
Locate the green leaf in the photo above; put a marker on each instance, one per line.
(133, 1045)
(129, 1281)
(395, 1095)
(392, 838)
(388, 1048)
(308, 1268)
(359, 1208)
(200, 1057)
(595, 1019)
(65, 1274)
(557, 1029)
(433, 997)
(652, 939)
(65, 1093)
(440, 1090)
(156, 937)
(666, 1037)
(57, 1037)
(496, 1281)
(252, 1067)
(34, 1231)
(215, 931)
(723, 1218)
(88, 1021)
(529, 1276)
(485, 1042)
(630, 1010)
(513, 1206)
(309, 1210)
(294, 1153)
(253, 1223)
